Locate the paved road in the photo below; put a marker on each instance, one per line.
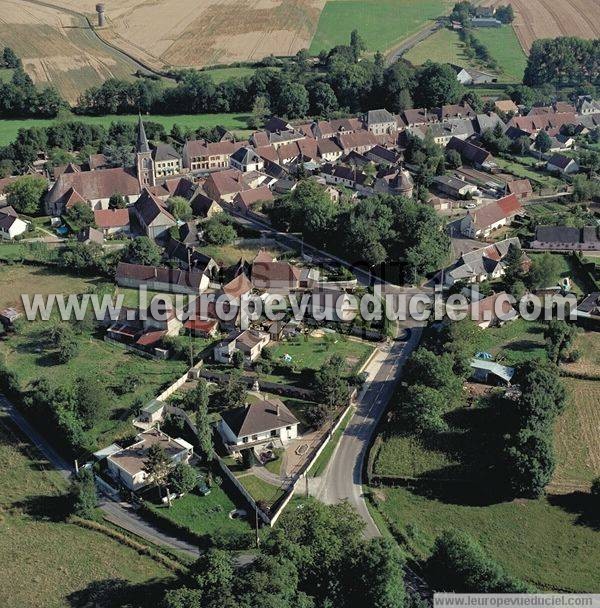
(118, 513)
(412, 41)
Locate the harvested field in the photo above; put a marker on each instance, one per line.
(549, 19)
(195, 33)
(58, 48)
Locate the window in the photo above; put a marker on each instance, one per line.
(273, 433)
(254, 437)
(245, 440)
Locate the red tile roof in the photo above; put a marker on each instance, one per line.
(111, 218)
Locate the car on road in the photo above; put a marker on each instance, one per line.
(470, 206)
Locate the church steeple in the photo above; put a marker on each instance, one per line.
(142, 145)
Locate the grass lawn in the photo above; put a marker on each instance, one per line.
(274, 466)
(525, 170)
(540, 541)
(504, 47)
(206, 514)
(381, 23)
(227, 73)
(514, 342)
(47, 562)
(588, 344)
(235, 122)
(323, 459)
(577, 441)
(227, 255)
(107, 363)
(309, 354)
(261, 490)
(580, 282)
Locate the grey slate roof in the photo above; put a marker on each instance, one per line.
(259, 417)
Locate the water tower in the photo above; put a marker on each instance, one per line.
(101, 15)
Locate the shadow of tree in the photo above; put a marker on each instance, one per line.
(582, 504)
(44, 507)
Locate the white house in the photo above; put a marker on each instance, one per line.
(562, 164)
(250, 342)
(11, 225)
(127, 465)
(483, 221)
(263, 421)
(245, 160)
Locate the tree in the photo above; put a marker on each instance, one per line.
(80, 216)
(91, 401)
(437, 86)
(219, 231)
(157, 466)
(322, 99)
(459, 564)
(453, 159)
(542, 143)
(180, 208)
(142, 251)
(559, 337)
(203, 426)
(238, 359)
(26, 194)
(117, 201)
(214, 574)
(513, 265)
(461, 339)
(529, 459)
(422, 409)
(84, 497)
(292, 99)
(545, 271)
(357, 44)
(506, 14)
(183, 478)
(260, 110)
(10, 59)
(330, 383)
(62, 339)
(234, 394)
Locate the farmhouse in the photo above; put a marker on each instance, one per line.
(470, 153)
(246, 159)
(566, 238)
(481, 264)
(483, 221)
(452, 186)
(112, 221)
(469, 76)
(507, 106)
(250, 342)
(127, 466)
(153, 218)
(267, 420)
(11, 225)
(92, 187)
(493, 311)
(160, 279)
(89, 235)
(562, 164)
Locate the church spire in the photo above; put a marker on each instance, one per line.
(142, 141)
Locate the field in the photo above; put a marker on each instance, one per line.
(577, 442)
(545, 542)
(588, 344)
(47, 562)
(194, 33)
(549, 19)
(381, 23)
(234, 122)
(445, 47)
(58, 48)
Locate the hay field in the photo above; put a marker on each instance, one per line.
(551, 18)
(58, 48)
(195, 33)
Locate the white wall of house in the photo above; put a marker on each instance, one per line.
(285, 434)
(18, 227)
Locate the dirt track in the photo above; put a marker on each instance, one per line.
(552, 18)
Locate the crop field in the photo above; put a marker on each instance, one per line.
(549, 19)
(233, 122)
(445, 47)
(45, 561)
(194, 33)
(381, 23)
(58, 48)
(577, 441)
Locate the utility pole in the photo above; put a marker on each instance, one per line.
(256, 527)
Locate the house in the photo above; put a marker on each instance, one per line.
(419, 116)
(521, 188)
(11, 225)
(264, 421)
(328, 150)
(566, 238)
(357, 141)
(493, 311)
(200, 155)
(470, 153)
(90, 235)
(506, 106)
(250, 342)
(489, 121)
(345, 176)
(380, 122)
(222, 186)
(155, 278)
(332, 304)
(152, 413)
(244, 201)
(443, 132)
(399, 183)
(491, 372)
(166, 161)
(188, 258)
(204, 206)
(469, 76)
(153, 218)
(589, 106)
(276, 277)
(481, 222)
(485, 22)
(92, 187)
(562, 164)
(452, 186)
(246, 159)
(560, 142)
(382, 156)
(202, 328)
(127, 465)
(455, 111)
(112, 221)
(481, 264)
